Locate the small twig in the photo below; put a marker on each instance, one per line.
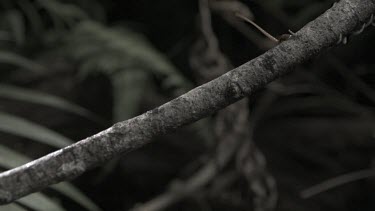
(337, 181)
(258, 27)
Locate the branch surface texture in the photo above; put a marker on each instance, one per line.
(342, 20)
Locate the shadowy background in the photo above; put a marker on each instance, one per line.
(70, 69)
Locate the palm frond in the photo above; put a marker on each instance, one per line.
(21, 127)
(31, 96)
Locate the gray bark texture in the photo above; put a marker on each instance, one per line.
(342, 20)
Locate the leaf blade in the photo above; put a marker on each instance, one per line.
(41, 98)
(21, 127)
(20, 61)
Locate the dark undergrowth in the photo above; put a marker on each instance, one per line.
(70, 69)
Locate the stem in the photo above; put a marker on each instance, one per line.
(268, 35)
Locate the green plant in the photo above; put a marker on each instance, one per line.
(20, 20)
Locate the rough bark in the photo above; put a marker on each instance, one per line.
(339, 21)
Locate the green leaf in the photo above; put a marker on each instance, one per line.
(20, 61)
(36, 97)
(40, 202)
(64, 12)
(109, 50)
(24, 128)
(17, 25)
(10, 159)
(12, 207)
(76, 195)
(126, 97)
(127, 58)
(32, 15)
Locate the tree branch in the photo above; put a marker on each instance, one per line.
(341, 20)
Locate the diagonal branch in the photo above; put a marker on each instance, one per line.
(343, 19)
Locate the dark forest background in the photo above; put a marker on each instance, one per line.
(70, 69)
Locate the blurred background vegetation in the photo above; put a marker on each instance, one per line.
(70, 69)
